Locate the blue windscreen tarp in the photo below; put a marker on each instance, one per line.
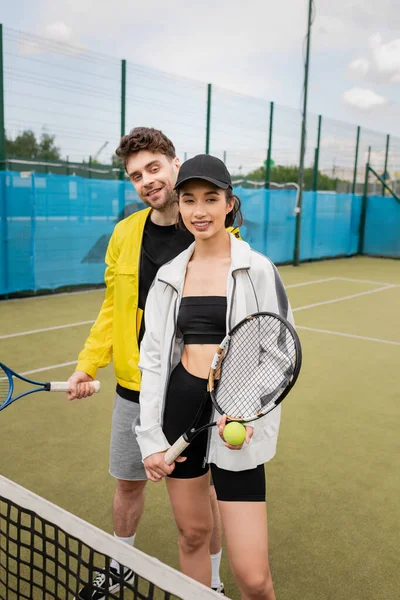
(54, 229)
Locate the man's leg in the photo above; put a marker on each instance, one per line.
(127, 468)
(128, 504)
(216, 543)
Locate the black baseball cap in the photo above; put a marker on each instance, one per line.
(204, 166)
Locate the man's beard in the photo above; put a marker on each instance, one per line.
(170, 198)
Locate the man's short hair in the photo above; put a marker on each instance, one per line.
(145, 138)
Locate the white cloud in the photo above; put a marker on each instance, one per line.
(384, 63)
(363, 99)
(360, 66)
(59, 32)
(386, 56)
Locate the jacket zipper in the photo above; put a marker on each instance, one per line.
(230, 327)
(138, 283)
(170, 353)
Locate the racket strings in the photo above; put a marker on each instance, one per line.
(257, 367)
(4, 386)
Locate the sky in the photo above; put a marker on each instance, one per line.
(253, 48)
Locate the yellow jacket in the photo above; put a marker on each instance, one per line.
(116, 330)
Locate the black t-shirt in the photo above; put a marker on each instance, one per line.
(160, 244)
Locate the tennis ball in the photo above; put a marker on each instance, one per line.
(234, 433)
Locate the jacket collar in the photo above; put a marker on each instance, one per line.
(174, 272)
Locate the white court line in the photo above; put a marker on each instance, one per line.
(386, 287)
(293, 285)
(367, 281)
(67, 364)
(299, 327)
(349, 335)
(31, 331)
(55, 295)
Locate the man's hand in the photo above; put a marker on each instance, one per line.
(221, 423)
(80, 386)
(156, 468)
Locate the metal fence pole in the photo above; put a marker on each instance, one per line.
(2, 123)
(386, 162)
(363, 214)
(208, 125)
(4, 229)
(316, 156)
(356, 161)
(123, 112)
(296, 257)
(123, 96)
(269, 153)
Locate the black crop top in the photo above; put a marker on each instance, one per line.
(202, 319)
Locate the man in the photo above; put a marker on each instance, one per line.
(138, 247)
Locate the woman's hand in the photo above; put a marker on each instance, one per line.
(221, 423)
(156, 468)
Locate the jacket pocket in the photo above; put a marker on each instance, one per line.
(270, 423)
(125, 270)
(125, 345)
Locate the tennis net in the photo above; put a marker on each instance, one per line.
(48, 553)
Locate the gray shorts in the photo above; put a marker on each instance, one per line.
(125, 457)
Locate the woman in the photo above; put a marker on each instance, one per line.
(194, 301)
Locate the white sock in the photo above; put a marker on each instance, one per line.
(215, 564)
(127, 540)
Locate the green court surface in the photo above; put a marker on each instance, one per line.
(334, 485)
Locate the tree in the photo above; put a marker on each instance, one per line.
(25, 145)
(282, 174)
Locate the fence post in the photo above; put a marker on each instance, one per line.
(123, 96)
(269, 153)
(33, 231)
(123, 109)
(296, 256)
(224, 157)
(356, 161)
(316, 156)
(386, 162)
(2, 123)
(4, 230)
(208, 125)
(121, 175)
(363, 214)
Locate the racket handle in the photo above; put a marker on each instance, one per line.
(63, 386)
(176, 450)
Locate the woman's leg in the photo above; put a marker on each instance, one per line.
(246, 534)
(190, 500)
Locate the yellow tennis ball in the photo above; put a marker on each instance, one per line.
(234, 433)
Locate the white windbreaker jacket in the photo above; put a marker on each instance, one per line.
(253, 285)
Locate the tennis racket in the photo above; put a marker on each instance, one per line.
(255, 367)
(7, 377)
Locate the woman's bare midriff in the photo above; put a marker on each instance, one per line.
(196, 358)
